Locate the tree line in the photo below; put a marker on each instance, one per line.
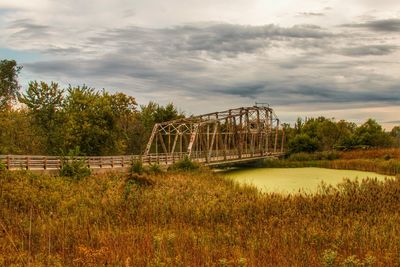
(49, 120)
(323, 134)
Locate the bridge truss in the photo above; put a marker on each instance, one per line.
(231, 135)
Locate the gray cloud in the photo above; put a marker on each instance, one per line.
(369, 50)
(27, 24)
(217, 61)
(214, 39)
(243, 90)
(385, 25)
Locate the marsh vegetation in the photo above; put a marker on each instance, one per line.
(193, 219)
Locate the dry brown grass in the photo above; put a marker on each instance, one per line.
(384, 153)
(193, 219)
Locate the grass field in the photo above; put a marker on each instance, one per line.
(193, 219)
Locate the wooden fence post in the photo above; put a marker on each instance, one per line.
(45, 163)
(8, 162)
(27, 162)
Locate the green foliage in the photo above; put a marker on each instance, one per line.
(303, 143)
(329, 258)
(138, 175)
(2, 166)
(136, 167)
(151, 114)
(17, 135)
(352, 261)
(371, 134)
(155, 169)
(395, 134)
(185, 164)
(43, 98)
(74, 166)
(97, 122)
(44, 102)
(9, 85)
(324, 134)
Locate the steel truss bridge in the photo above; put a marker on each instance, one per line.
(234, 135)
(218, 138)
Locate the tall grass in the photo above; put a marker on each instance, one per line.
(384, 161)
(193, 219)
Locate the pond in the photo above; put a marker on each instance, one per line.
(292, 180)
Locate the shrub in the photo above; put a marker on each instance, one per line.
(185, 164)
(2, 166)
(74, 166)
(155, 169)
(137, 167)
(303, 143)
(329, 258)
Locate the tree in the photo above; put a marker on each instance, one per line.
(17, 135)
(371, 134)
(395, 134)
(97, 122)
(303, 143)
(9, 85)
(346, 132)
(151, 114)
(44, 101)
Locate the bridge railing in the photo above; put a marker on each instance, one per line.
(27, 162)
(219, 155)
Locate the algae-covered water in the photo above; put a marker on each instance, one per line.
(292, 180)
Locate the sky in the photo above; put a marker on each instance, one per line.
(338, 59)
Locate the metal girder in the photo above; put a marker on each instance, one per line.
(235, 132)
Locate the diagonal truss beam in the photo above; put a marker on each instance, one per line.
(235, 132)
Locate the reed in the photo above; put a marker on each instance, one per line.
(194, 219)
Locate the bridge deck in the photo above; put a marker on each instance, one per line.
(28, 162)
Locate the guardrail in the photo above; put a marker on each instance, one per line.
(28, 162)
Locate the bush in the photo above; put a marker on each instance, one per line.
(2, 166)
(155, 169)
(137, 167)
(303, 143)
(74, 166)
(185, 164)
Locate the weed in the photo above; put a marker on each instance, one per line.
(137, 167)
(185, 164)
(329, 258)
(74, 166)
(154, 169)
(2, 166)
(194, 219)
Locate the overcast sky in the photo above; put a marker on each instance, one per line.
(305, 58)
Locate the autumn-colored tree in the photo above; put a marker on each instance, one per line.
(9, 85)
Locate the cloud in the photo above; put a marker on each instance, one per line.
(385, 25)
(214, 39)
(311, 14)
(285, 65)
(26, 28)
(369, 50)
(216, 63)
